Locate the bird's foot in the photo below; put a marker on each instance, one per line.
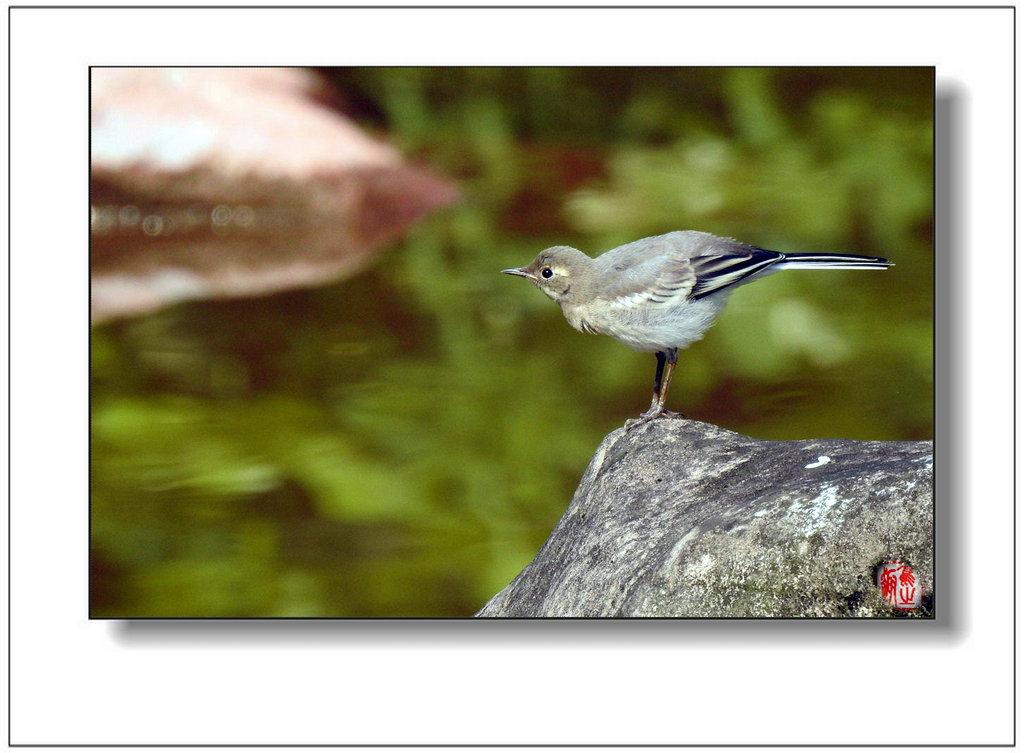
(650, 415)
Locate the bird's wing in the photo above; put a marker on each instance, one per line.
(670, 268)
(655, 281)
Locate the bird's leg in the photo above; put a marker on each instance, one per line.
(672, 356)
(657, 409)
(657, 380)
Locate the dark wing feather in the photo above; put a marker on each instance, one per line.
(720, 271)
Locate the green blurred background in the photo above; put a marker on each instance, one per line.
(402, 442)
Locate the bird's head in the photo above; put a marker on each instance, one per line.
(556, 271)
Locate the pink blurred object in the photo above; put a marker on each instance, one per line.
(234, 182)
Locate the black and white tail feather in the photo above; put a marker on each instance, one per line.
(719, 272)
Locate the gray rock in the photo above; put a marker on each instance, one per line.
(679, 518)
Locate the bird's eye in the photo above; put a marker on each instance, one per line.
(546, 273)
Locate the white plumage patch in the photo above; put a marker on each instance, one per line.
(630, 301)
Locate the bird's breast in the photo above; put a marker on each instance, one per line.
(648, 328)
(577, 317)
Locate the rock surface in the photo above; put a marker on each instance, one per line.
(683, 519)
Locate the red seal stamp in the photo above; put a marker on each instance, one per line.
(899, 586)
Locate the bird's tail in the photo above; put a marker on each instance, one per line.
(832, 261)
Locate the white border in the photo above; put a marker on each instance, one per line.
(75, 681)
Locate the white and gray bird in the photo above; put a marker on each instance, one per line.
(660, 294)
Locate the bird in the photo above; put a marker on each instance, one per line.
(660, 294)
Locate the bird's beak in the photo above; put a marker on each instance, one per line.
(518, 272)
